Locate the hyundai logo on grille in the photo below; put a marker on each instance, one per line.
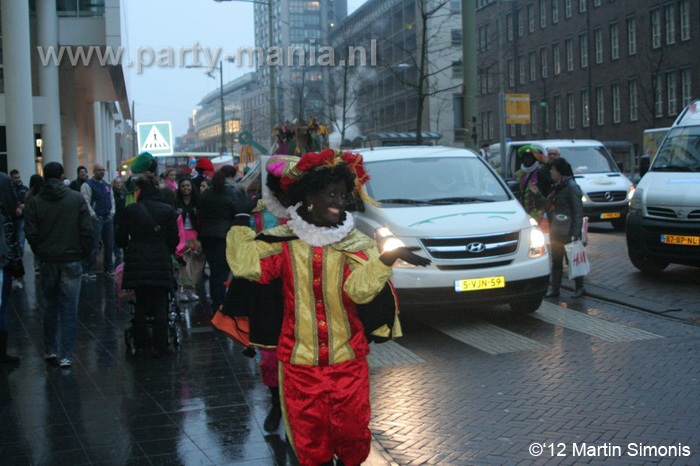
(608, 196)
(476, 248)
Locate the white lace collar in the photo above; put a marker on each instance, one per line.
(273, 205)
(315, 235)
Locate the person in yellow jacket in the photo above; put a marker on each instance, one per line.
(327, 268)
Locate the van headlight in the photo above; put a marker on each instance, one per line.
(387, 241)
(584, 199)
(537, 242)
(630, 194)
(636, 202)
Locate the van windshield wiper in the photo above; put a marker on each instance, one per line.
(402, 201)
(673, 168)
(459, 200)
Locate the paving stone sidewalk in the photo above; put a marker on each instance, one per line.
(675, 291)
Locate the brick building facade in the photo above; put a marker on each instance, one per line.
(599, 69)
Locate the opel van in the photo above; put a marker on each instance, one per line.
(663, 225)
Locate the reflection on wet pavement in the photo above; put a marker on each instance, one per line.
(203, 405)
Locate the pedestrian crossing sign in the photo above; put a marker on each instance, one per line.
(156, 138)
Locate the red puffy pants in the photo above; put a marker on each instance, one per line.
(326, 410)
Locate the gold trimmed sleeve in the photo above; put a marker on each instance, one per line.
(244, 255)
(366, 281)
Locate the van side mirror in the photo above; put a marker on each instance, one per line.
(621, 167)
(644, 163)
(514, 188)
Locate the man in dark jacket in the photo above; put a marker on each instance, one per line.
(100, 200)
(77, 183)
(20, 191)
(59, 231)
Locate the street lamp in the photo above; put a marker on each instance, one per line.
(221, 97)
(271, 69)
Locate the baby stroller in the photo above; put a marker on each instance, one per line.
(127, 300)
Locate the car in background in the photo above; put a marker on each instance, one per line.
(606, 190)
(663, 225)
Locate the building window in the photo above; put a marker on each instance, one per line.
(509, 27)
(582, 6)
(686, 89)
(543, 62)
(655, 28)
(543, 15)
(585, 108)
(511, 73)
(596, 3)
(556, 57)
(457, 69)
(487, 35)
(522, 130)
(614, 42)
(533, 119)
(457, 37)
(670, 13)
(555, 11)
(632, 36)
(489, 81)
(545, 115)
(598, 40)
(490, 124)
(685, 19)
(615, 88)
(671, 93)
(569, 54)
(521, 69)
(533, 66)
(456, 7)
(530, 17)
(583, 42)
(557, 113)
(567, 8)
(634, 100)
(572, 109)
(658, 96)
(599, 106)
(521, 23)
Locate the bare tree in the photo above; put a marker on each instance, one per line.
(649, 68)
(432, 19)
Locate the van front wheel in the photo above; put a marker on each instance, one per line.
(647, 266)
(526, 306)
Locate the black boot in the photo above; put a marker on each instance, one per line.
(272, 421)
(6, 359)
(554, 283)
(580, 290)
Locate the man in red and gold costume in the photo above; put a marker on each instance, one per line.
(327, 269)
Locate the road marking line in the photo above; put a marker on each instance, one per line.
(590, 325)
(392, 354)
(487, 337)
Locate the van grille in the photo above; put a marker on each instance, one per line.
(661, 212)
(607, 196)
(694, 215)
(472, 247)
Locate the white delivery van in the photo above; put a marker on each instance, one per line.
(452, 205)
(606, 190)
(663, 225)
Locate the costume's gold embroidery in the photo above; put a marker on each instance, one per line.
(305, 330)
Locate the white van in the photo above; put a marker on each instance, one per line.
(452, 205)
(606, 191)
(663, 225)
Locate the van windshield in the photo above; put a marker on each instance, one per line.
(589, 159)
(680, 151)
(433, 181)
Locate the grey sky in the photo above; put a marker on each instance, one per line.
(171, 93)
